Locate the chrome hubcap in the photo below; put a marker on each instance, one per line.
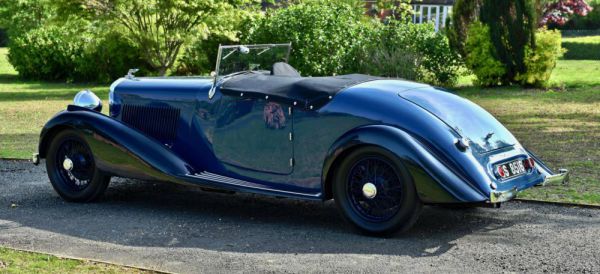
(369, 190)
(68, 164)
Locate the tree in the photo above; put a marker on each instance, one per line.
(464, 13)
(20, 16)
(497, 41)
(162, 27)
(559, 12)
(512, 26)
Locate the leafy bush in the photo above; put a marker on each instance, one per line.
(107, 56)
(343, 40)
(376, 52)
(3, 38)
(200, 58)
(71, 52)
(321, 33)
(541, 61)
(405, 50)
(46, 53)
(440, 65)
(21, 16)
(480, 58)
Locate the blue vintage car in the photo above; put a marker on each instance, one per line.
(381, 148)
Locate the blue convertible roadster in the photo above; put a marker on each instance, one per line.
(381, 148)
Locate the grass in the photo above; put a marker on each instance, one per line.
(12, 261)
(25, 107)
(561, 125)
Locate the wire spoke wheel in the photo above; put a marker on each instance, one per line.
(72, 170)
(375, 192)
(75, 164)
(374, 189)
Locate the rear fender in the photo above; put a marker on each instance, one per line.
(117, 148)
(435, 183)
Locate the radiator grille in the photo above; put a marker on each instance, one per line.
(158, 122)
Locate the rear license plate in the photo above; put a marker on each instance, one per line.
(510, 169)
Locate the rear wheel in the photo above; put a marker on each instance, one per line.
(72, 170)
(375, 192)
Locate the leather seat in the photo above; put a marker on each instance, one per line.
(284, 69)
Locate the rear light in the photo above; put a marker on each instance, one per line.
(529, 163)
(500, 171)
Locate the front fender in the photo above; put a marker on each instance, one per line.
(117, 148)
(435, 182)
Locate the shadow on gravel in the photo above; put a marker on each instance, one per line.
(145, 214)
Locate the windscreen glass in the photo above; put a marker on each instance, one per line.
(234, 59)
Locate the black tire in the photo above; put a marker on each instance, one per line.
(84, 182)
(396, 208)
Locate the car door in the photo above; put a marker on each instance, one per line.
(254, 135)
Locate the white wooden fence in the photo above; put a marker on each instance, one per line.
(431, 13)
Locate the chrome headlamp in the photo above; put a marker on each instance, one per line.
(88, 99)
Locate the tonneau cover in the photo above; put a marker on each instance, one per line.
(308, 91)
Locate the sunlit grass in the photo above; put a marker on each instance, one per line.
(563, 128)
(25, 106)
(12, 261)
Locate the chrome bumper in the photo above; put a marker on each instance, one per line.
(562, 177)
(503, 196)
(35, 159)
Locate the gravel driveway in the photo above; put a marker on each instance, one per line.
(182, 229)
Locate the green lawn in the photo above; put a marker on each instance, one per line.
(562, 124)
(12, 261)
(563, 127)
(26, 106)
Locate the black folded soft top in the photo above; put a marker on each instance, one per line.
(306, 91)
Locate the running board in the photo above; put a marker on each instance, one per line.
(220, 181)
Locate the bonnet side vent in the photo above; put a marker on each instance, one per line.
(158, 122)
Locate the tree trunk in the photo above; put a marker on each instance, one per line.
(162, 71)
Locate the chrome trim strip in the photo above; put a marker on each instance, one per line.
(205, 175)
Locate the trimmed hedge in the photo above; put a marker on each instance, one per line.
(582, 48)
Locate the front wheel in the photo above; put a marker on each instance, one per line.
(72, 169)
(375, 192)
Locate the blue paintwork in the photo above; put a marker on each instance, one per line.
(225, 142)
